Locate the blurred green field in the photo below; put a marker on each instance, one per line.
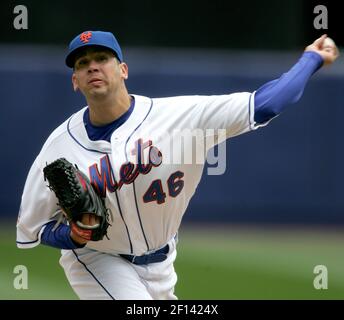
(213, 263)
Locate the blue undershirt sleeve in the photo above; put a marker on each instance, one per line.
(59, 238)
(273, 97)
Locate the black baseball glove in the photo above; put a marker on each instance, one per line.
(77, 196)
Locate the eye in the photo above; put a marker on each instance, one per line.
(81, 63)
(101, 58)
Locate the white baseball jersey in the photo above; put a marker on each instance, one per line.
(147, 188)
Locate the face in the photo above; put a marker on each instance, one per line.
(98, 74)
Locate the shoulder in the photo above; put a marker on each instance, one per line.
(59, 134)
(168, 100)
(200, 101)
(178, 100)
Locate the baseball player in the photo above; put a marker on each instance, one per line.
(121, 142)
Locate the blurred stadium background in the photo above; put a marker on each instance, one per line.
(256, 232)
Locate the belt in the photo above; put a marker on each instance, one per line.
(155, 256)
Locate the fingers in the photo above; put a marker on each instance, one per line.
(319, 42)
(94, 220)
(330, 48)
(326, 48)
(90, 219)
(76, 238)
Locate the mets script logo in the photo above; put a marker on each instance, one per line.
(103, 178)
(85, 36)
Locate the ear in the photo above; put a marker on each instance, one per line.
(124, 70)
(74, 81)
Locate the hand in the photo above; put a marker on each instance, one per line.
(88, 220)
(328, 53)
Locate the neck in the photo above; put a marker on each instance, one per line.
(106, 111)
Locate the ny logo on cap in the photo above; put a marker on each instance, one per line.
(85, 36)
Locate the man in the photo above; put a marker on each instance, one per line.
(121, 142)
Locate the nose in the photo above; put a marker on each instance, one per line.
(93, 66)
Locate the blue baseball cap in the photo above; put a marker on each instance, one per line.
(93, 38)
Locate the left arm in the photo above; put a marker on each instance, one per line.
(273, 97)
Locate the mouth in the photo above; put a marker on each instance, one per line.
(95, 81)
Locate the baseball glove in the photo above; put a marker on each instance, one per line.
(76, 196)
